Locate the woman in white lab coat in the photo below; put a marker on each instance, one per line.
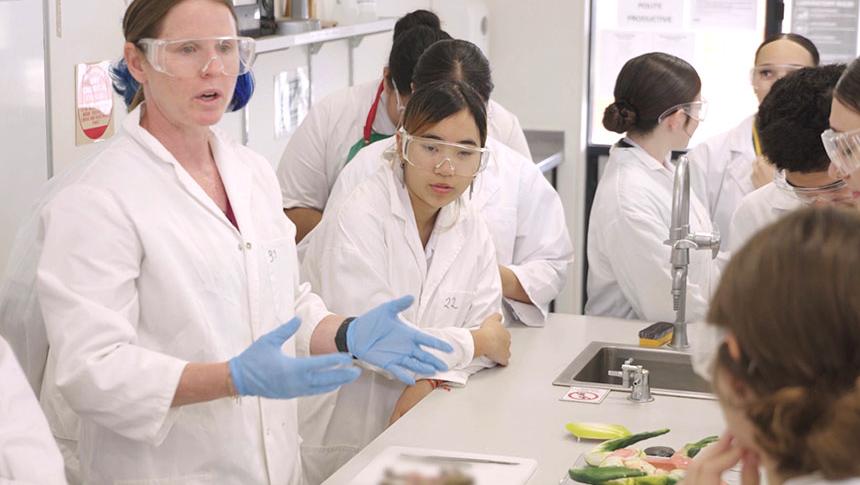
(522, 210)
(28, 453)
(340, 125)
(409, 227)
(168, 256)
(786, 373)
(729, 166)
(658, 105)
(842, 140)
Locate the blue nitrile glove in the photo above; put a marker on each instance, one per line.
(264, 370)
(380, 338)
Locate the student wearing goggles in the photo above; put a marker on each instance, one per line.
(842, 139)
(790, 121)
(730, 165)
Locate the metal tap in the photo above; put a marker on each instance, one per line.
(636, 378)
(681, 240)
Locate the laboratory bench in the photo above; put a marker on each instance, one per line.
(516, 411)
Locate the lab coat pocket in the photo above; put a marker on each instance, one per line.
(453, 307)
(279, 265)
(195, 479)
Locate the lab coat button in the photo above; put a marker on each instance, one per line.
(247, 245)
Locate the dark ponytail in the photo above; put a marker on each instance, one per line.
(414, 19)
(646, 87)
(407, 48)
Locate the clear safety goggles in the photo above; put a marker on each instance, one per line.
(185, 58)
(431, 155)
(772, 72)
(696, 110)
(843, 148)
(837, 193)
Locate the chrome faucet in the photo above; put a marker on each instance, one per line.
(635, 378)
(681, 240)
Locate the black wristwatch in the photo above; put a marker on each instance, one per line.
(340, 336)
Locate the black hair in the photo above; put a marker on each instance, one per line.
(405, 52)
(646, 87)
(432, 103)
(792, 116)
(848, 88)
(797, 39)
(455, 59)
(414, 19)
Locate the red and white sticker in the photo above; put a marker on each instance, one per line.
(590, 395)
(94, 101)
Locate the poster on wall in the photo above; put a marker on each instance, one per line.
(292, 100)
(93, 103)
(831, 25)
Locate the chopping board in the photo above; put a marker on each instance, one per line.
(430, 463)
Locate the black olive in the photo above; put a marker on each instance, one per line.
(659, 451)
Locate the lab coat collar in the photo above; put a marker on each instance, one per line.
(644, 157)
(236, 180)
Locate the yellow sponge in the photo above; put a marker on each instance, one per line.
(656, 335)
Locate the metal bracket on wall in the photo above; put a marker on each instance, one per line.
(354, 42)
(315, 47)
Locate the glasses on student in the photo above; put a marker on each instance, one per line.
(772, 72)
(843, 148)
(837, 192)
(697, 110)
(431, 155)
(184, 58)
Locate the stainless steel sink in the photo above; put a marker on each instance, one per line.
(671, 372)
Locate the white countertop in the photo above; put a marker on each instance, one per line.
(516, 410)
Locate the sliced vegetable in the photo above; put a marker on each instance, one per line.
(596, 456)
(659, 451)
(599, 475)
(690, 450)
(618, 443)
(597, 431)
(649, 480)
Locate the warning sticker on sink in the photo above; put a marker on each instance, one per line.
(590, 395)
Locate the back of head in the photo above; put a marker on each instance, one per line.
(789, 296)
(848, 88)
(406, 51)
(646, 87)
(433, 102)
(455, 59)
(414, 19)
(798, 39)
(793, 115)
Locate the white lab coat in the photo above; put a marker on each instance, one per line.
(369, 251)
(21, 321)
(317, 151)
(522, 210)
(142, 273)
(765, 205)
(28, 453)
(721, 172)
(629, 269)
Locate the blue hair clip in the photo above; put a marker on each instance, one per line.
(123, 82)
(243, 92)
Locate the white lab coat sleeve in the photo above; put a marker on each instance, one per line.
(701, 158)
(28, 452)
(640, 261)
(302, 171)
(87, 291)
(487, 301)
(346, 266)
(542, 250)
(516, 139)
(311, 309)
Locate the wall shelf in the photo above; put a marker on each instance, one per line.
(315, 38)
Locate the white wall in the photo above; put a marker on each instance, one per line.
(538, 52)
